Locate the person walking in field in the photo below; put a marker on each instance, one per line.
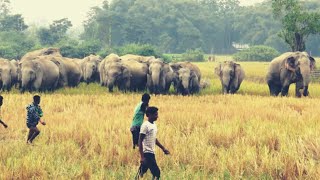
(1, 122)
(147, 141)
(138, 116)
(34, 114)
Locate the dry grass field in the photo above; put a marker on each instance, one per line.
(249, 135)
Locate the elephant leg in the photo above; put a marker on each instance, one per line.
(284, 90)
(274, 89)
(305, 91)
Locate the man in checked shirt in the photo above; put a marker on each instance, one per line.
(147, 141)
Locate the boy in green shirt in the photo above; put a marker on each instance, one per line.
(138, 116)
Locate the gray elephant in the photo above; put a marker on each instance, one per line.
(138, 58)
(102, 66)
(90, 68)
(73, 71)
(187, 82)
(156, 76)
(116, 74)
(186, 64)
(288, 68)
(139, 71)
(14, 72)
(6, 74)
(231, 76)
(63, 71)
(41, 52)
(38, 75)
(169, 77)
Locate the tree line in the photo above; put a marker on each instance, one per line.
(171, 26)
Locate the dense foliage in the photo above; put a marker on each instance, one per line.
(169, 26)
(193, 55)
(256, 53)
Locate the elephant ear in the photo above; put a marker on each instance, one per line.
(238, 71)
(290, 64)
(193, 75)
(312, 63)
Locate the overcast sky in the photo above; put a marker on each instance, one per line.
(46, 11)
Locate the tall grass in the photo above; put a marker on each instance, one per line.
(249, 135)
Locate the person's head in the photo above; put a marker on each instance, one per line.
(145, 98)
(152, 113)
(36, 99)
(1, 100)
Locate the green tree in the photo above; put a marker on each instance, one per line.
(55, 33)
(297, 22)
(60, 27)
(13, 23)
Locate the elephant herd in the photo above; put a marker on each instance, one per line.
(46, 70)
(288, 68)
(137, 73)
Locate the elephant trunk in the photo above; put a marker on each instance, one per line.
(89, 72)
(111, 84)
(306, 75)
(226, 82)
(185, 86)
(155, 82)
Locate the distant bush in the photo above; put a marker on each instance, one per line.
(138, 49)
(142, 50)
(193, 55)
(256, 53)
(81, 50)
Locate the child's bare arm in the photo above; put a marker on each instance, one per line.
(162, 147)
(4, 124)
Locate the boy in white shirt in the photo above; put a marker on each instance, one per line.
(147, 142)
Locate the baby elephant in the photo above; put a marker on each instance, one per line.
(231, 75)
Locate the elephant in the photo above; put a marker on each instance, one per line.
(116, 74)
(187, 82)
(186, 64)
(178, 65)
(41, 52)
(169, 77)
(38, 75)
(288, 68)
(231, 76)
(156, 76)
(138, 58)
(139, 72)
(90, 69)
(14, 74)
(63, 71)
(73, 71)
(110, 58)
(6, 74)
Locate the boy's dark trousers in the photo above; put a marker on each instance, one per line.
(150, 163)
(135, 131)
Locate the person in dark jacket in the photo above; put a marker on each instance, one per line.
(34, 114)
(1, 122)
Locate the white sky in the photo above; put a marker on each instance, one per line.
(46, 11)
